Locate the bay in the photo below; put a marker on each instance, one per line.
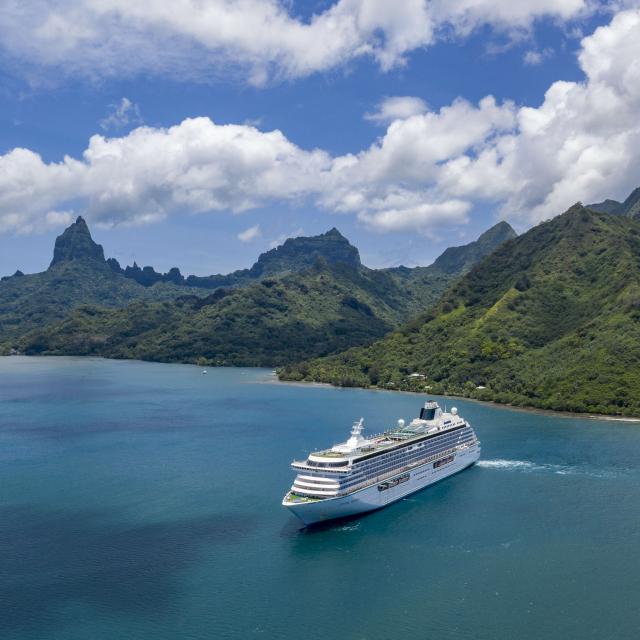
(142, 501)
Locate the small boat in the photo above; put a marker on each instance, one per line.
(204, 372)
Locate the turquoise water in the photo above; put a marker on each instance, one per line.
(142, 501)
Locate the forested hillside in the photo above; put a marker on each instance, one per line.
(309, 297)
(550, 319)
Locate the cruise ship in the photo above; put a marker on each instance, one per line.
(363, 474)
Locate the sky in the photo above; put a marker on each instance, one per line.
(200, 133)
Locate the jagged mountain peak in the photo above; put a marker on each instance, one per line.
(606, 206)
(299, 253)
(630, 208)
(502, 230)
(76, 243)
(460, 259)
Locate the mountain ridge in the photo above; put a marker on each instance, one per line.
(295, 254)
(313, 297)
(550, 319)
(630, 208)
(458, 259)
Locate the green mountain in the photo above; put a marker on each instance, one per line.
(311, 296)
(78, 274)
(324, 309)
(296, 254)
(424, 285)
(630, 208)
(461, 259)
(551, 319)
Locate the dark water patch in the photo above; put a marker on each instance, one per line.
(159, 422)
(245, 403)
(71, 430)
(52, 558)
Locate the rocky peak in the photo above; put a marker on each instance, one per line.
(629, 208)
(300, 253)
(76, 243)
(460, 259)
(606, 206)
(499, 233)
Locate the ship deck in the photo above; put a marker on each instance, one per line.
(378, 443)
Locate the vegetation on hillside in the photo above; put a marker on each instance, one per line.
(39, 299)
(294, 255)
(630, 208)
(325, 309)
(551, 319)
(292, 310)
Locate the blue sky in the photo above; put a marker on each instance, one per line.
(401, 188)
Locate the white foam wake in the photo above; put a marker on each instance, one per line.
(509, 465)
(530, 467)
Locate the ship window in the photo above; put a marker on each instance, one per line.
(427, 414)
(341, 463)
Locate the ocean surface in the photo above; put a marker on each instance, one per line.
(142, 501)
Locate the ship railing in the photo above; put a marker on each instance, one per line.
(395, 472)
(303, 465)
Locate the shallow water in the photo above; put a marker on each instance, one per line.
(142, 501)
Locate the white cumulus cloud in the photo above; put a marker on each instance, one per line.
(466, 15)
(195, 166)
(260, 40)
(396, 108)
(250, 234)
(121, 114)
(429, 168)
(421, 217)
(581, 143)
(534, 57)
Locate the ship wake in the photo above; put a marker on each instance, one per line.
(527, 466)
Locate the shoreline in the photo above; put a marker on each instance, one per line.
(512, 407)
(272, 378)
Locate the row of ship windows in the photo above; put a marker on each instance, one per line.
(464, 434)
(384, 469)
(319, 479)
(436, 465)
(443, 444)
(400, 459)
(325, 465)
(410, 456)
(344, 463)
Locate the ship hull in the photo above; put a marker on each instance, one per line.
(371, 498)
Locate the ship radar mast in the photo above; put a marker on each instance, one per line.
(355, 441)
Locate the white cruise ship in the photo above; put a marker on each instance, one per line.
(363, 474)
